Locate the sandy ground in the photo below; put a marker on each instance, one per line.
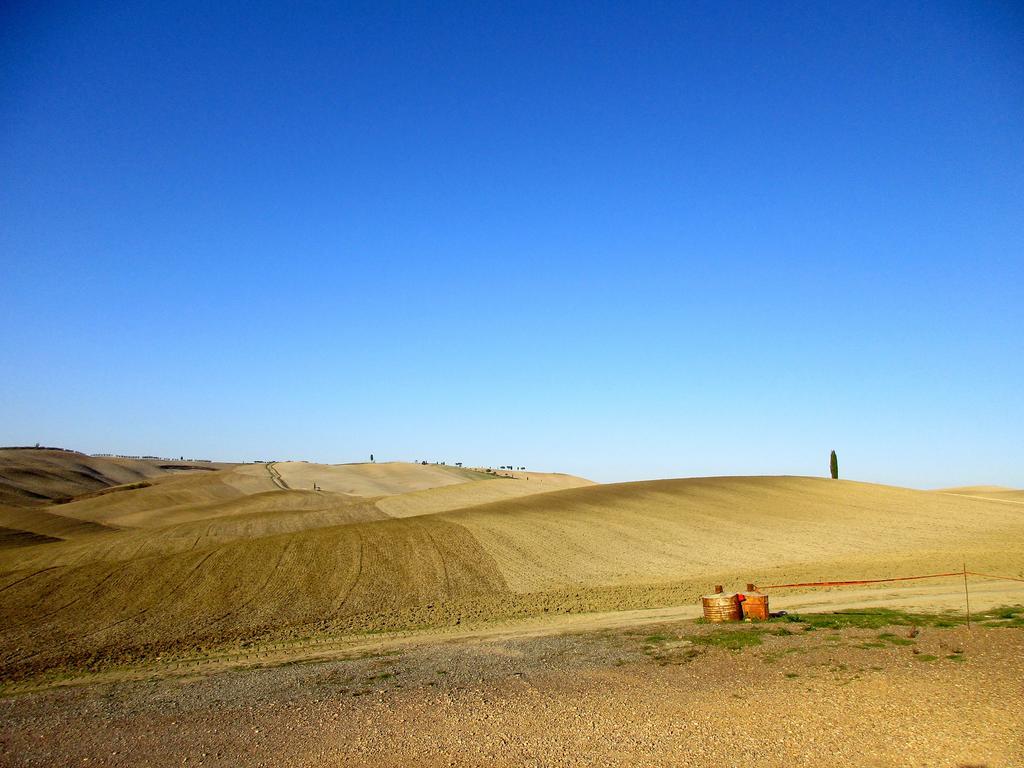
(629, 695)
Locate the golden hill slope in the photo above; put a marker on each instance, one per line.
(401, 489)
(192, 511)
(996, 492)
(678, 529)
(172, 498)
(373, 479)
(48, 522)
(277, 573)
(31, 477)
(506, 485)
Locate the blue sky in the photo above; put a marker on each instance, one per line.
(621, 240)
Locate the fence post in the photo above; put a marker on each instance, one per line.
(967, 596)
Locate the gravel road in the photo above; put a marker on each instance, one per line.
(651, 695)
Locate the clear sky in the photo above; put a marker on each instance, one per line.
(626, 240)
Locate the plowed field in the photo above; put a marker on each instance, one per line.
(197, 564)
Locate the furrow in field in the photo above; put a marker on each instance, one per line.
(328, 566)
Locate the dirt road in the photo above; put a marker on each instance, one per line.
(275, 477)
(942, 595)
(666, 693)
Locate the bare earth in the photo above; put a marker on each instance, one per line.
(642, 696)
(396, 614)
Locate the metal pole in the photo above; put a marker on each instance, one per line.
(967, 596)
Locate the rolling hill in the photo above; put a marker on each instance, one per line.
(997, 492)
(33, 477)
(230, 557)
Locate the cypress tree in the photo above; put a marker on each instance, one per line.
(833, 465)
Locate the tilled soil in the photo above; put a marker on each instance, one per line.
(227, 563)
(656, 695)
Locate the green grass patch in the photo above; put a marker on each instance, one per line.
(1006, 612)
(871, 618)
(669, 649)
(730, 639)
(889, 637)
(1005, 616)
(657, 638)
(926, 657)
(878, 618)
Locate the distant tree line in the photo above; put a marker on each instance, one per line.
(424, 463)
(38, 447)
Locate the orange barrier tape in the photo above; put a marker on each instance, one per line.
(895, 578)
(860, 581)
(990, 576)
